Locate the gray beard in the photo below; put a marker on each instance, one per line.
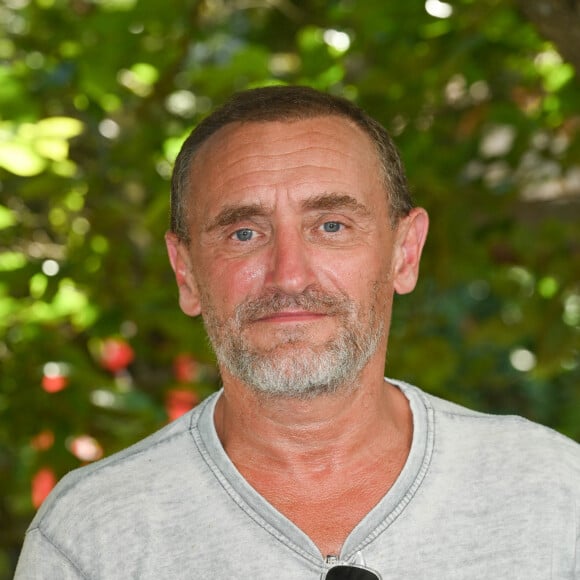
(292, 367)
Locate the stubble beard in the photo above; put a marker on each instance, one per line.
(293, 366)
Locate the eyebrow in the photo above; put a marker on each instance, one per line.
(232, 214)
(335, 201)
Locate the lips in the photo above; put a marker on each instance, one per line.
(277, 306)
(291, 316)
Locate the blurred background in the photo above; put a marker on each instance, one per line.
(96, 96)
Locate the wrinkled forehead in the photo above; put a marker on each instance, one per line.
(265, 151)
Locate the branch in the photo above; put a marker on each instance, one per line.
(559, 22)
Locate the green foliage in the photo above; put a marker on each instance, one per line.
(95, 99)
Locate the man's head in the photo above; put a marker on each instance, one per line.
(290, 251)
(285, 103)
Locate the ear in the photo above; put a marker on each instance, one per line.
(180, 259)
(410, 239)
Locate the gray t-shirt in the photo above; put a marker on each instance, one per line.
(479, 497)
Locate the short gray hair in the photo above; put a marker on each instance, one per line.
(286, 103)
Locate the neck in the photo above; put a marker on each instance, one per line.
(328, 430)
(325, 462)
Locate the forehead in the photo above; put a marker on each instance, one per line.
(308, 156)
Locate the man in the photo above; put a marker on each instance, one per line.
(291, 231)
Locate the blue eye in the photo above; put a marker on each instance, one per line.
(244, 235)
(332, 227)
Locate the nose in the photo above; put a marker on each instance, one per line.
(290, 265)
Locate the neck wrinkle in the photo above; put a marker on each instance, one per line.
(327, 433)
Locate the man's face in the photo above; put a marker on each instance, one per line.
(291, 261)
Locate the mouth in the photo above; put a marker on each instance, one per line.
(279, 308)
(289, 316)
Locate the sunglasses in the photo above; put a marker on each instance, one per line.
(350, 572)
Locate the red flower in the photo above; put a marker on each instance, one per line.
(42, 483)
(43, 441)
(179, 401)
(185, 368)
(115, 354)
(54, 383)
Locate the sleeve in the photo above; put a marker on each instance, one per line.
(41, 560)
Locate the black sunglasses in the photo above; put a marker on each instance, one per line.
(350, 572)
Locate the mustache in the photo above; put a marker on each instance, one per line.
(311, 300)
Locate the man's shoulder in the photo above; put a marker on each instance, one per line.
(505, 436)
(501, 422)
(111, 483)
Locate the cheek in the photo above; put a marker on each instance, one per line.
(233, 283)
(356, 274)
(250, 275)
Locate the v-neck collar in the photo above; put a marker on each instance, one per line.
(268, 517)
